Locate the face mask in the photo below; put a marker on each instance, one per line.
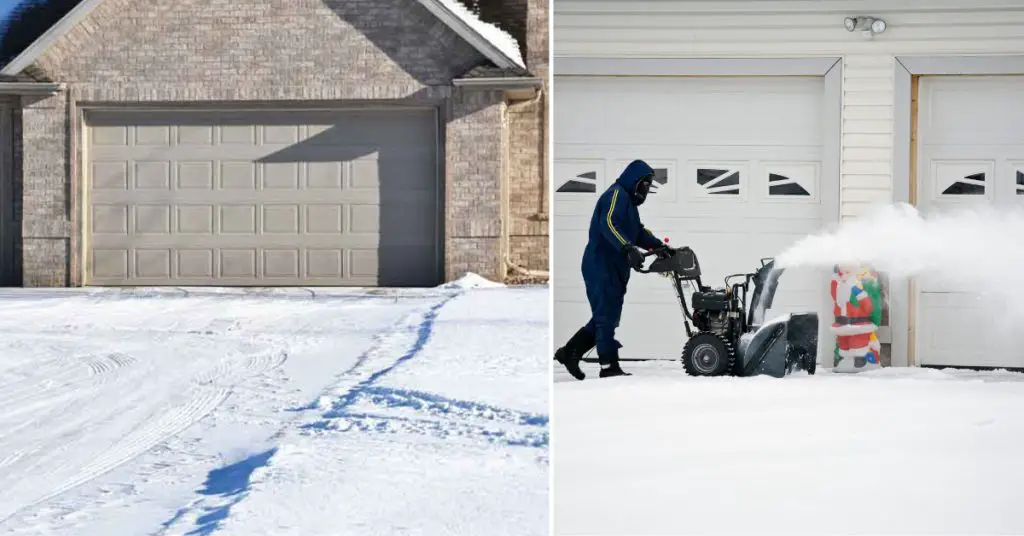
(643, 186)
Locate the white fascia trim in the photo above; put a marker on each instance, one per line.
(465, 31)
(39, 46)
(577, 66)
(962, 65)
(509, 82)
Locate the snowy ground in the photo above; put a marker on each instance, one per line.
(419, 413)
(895, 451)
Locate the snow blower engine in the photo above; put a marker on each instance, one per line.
(728, 340)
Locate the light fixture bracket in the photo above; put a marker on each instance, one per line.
(867, 26)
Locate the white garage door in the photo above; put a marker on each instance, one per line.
(971, 151)
(739, 163)
(263, 198)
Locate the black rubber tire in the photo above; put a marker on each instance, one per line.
(810, 363)
(707, 354)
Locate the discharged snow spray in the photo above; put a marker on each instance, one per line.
(977, 249)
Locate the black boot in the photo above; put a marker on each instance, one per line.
(573, 351)
(610, 367)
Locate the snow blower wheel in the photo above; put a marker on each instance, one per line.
(707, 354)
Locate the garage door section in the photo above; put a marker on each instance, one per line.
(263, 198)
(739, 164)
(971, 152)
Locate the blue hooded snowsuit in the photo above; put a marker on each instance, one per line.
(614, 225)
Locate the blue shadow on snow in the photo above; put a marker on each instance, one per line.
(229, 481)
(429, 402)
(423, 333)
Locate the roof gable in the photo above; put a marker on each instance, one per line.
(492, 42)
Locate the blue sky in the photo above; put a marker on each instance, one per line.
(6, 6)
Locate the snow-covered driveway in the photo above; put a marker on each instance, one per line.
(345, 413)
(895, 451)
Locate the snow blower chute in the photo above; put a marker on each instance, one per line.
(728, 340)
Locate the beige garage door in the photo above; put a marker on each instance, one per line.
(263, 198)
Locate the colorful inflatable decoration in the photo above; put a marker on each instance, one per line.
(857, 310)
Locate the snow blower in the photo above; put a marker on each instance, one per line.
(728, 339)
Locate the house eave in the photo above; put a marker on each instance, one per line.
(40, 45)
(511, 82)
(30, 88)
(515, 88)
(488, 49)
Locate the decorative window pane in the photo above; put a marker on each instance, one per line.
(973, 184)
(719, 181)
(660, 179)
(583, 183)
(783, 185)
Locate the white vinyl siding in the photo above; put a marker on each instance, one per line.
(866, 164)
(802, 28)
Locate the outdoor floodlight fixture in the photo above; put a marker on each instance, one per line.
(868, 26)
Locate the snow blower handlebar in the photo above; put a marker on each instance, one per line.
(681, 265)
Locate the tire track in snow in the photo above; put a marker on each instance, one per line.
(208, 391)
(70, 474)
(75, 380)
(147, 437)
(55, 374)
(110, 363)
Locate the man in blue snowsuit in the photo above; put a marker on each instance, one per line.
(616, 243)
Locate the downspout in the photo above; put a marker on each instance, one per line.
(506, 200)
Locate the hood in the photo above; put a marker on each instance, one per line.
(631, 175)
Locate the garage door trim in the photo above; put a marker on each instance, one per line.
(902, 296)
(78, 165)
(578, 66)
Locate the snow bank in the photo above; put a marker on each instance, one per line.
(493, 34)
(471, 281)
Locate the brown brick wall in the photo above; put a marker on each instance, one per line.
(261, 49)
(527, 21)
(268, 50)
(528, 222)
(528, 154)
(476, 144)
(45, 207)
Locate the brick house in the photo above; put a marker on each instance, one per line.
(276, 142)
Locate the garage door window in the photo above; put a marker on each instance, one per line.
(1020, 182)
(783, 185)
(584, 183)
(660, 179)
(719, 181)
(960, 178)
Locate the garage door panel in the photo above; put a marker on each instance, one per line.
(236, 265)
(275, 198)
(970, 131)
(950, 106)
(374, 125)
(962, 331)
(656, 110)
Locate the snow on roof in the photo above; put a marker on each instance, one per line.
(493, 36)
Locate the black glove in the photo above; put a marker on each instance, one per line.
(662, 251)
(635, 256)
